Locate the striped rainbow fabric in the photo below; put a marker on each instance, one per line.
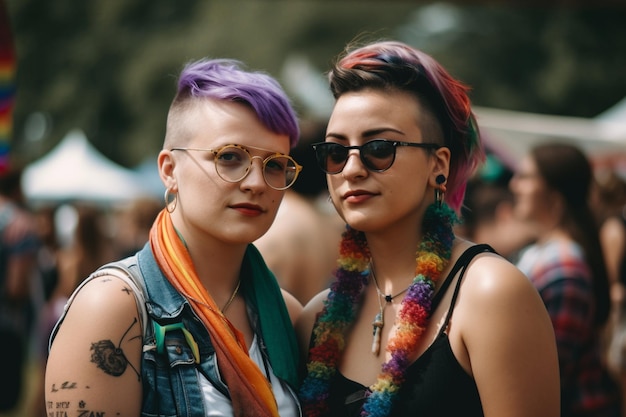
(7, 86)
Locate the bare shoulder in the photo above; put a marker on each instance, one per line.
(496, 295)
(490, 277)
(94, 360)
(294, 307)
(313, 307)
(305, 323)
(107, 298)
(502, 335)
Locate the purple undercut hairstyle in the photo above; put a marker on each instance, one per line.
(225, 79)
(395, 66)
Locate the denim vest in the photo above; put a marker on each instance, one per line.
(177, 349)
(171, 370)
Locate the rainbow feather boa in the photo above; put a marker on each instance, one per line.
(432, 256)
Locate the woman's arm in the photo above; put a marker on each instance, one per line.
(94, 362)
(509, 341)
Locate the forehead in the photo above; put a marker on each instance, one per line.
(527, 165)
(213, 123)
(375, 109)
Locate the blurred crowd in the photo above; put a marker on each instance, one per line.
(46, 251)
(562, 221)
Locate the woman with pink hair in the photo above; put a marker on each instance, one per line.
(418, 321)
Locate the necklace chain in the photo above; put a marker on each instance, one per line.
(232, 297)
(387, 297)
(223, 309)
(379, 319)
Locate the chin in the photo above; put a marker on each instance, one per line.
(362, 225)
(521, 212)
(243, 237)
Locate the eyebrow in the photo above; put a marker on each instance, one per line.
(249, 148)
(370, 133)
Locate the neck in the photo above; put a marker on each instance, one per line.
(217, 264)
(392, 285)
(554, 234)
(393, 260)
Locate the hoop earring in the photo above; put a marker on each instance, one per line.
(440, 191)
(169, 200)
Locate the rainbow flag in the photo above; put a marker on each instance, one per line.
(7, 86)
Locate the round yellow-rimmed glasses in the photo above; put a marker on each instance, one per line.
(233, 162)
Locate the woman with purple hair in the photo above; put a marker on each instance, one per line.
(418, 322)
(194, 324)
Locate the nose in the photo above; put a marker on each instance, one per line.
(354, 166)
(513, 182)
(254, 179)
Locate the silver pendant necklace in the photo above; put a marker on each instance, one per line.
(379, 319)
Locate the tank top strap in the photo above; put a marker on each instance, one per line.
(461, 264)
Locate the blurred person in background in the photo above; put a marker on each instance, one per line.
(608, 204)
(301, 245)
(200, 327)
(47, 265)
(91, 246)
(552, 189)
(87, 247)
(297, 247)
(609, 200)
(487, 217)
(132, 224)
(18, 238)
(19, 245)
(47, 257)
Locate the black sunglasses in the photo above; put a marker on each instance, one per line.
(377, 155)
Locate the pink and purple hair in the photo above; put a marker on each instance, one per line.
(224, 79)
(395, 65)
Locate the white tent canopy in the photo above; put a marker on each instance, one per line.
(147, 172)
(511, 134)
(75, 171)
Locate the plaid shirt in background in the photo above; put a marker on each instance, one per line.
(558, 271)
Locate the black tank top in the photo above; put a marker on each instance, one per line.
(436, 384)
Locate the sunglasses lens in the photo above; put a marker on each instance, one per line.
(378, 155)
(331, 157)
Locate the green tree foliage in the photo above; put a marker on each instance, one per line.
(109, 67)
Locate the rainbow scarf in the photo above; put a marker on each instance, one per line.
(340, 309)
(250, 391)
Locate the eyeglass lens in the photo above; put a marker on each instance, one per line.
(376, 155)
(233, 164)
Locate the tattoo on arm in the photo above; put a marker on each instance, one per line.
(61, 408)
(111, 359)
(64, 385)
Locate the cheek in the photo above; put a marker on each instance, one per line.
(333, 184)
(334, 197)
(531, 199)
(524, 189)
(275, 201)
